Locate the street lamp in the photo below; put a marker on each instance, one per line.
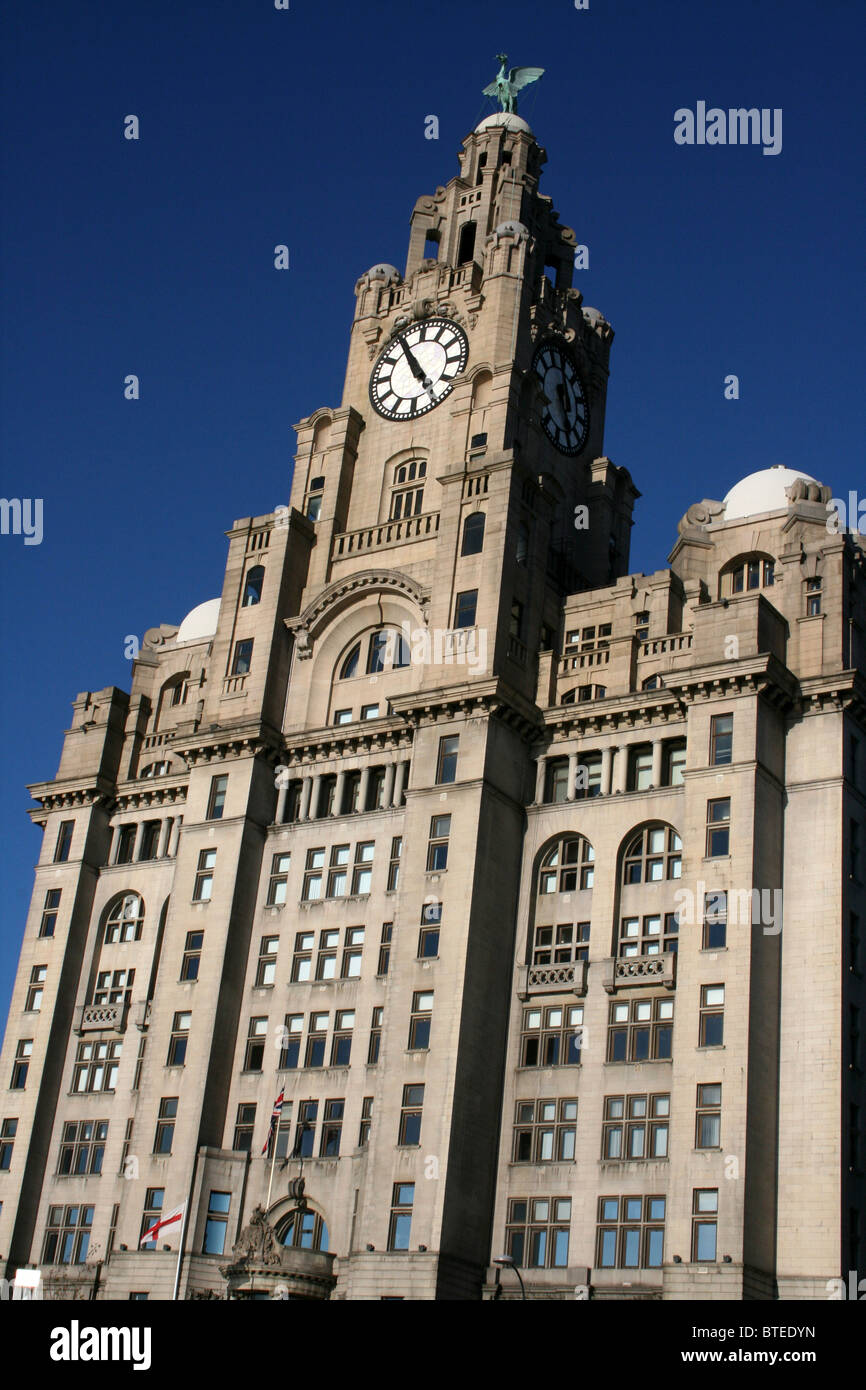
(508, 1262)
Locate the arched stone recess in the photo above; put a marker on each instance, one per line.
(351, 612)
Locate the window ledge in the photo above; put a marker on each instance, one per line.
(710, 1047)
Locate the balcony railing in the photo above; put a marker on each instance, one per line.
(625, 972)
(552, 979)
(408, 528)
(101, 1018)
(234, 685)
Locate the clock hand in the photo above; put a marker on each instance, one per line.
(415, 367)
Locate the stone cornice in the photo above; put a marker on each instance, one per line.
(374, 737)
(487, 698)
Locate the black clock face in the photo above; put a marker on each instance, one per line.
(566, 415)
(418, 369)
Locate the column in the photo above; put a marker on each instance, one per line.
(606, 765)
(658, 749)
(282, 795)
(306, 790)
(389, 785)
(175, 837)
(540, 774)
(139, 836)
(314, 795)
(399, 784)
(620, 767)
(572, 775)
(164, 834)
(114, 845)
(338, 793)
(364, 789)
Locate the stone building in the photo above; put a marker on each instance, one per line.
(467, 841)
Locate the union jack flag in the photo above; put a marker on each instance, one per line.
(275, 1119)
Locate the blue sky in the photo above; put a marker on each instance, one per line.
(306, 127)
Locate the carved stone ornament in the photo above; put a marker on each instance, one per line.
(257, 1243)
(803, 491)
(700, 514)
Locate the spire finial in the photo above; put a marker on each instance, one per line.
(506, 85)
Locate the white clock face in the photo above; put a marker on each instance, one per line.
(418, 369)
(566, 415)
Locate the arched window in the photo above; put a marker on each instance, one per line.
(653, 855)
(253, 586)
(407, 497)
(349, 667)
(473, 534)
(388, 649)
(567, 867)
(125, 919)
(654, 682)
(303, 1230)
(155, 769)
(748, 572)
(466, 245)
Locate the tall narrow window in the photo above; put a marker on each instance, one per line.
(254, 1053)
(394, 863)
(473, 534)
(385, 948)
(8, 1131)
(217, 799)
(721, 739)
(314, 498)
(400, 1225)
(705, 1209)
(465, 608)
(446, 767)
(204, 876)
(341, 1046)
(410, 1115)
(420, 1020)
(712, 1018)
(244, 1126)
(813, 598)
(279, 879)
(332, 1127)
(216, 1225)
(49, 912)
(708, 1126)
(191, 955)
(718, 828)
(428, 940)
(243, 657)
(164, 1136)
(466, 244)
(179, 1038)
(266, 970)
(64, 841)
(153, 1203)
(253, 586)
(715, 921)
(21, 1064)
(375, 1036)
(437, 849)
(35, 989)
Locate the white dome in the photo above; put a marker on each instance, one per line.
(506, 118)
(200, 622)
(383, 271)
(763, 491)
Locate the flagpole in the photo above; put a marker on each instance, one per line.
(180, 1251)
(273, 1161)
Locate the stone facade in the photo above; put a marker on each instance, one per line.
(374, 828)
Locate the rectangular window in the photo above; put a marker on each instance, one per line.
(316, 1036)
(674, 762)
(21, 1064)
(284, 1129)
(150, 839)
(562, 944)
(362, 874)
(635, 1127)
(385, 948)
(409, 1131)
(96, 1066)
(341, 1046)
(446, 763)
(204, 876)
(332, 1126)
(48, 923)
(266, 970)
(313, 875)
(64, 841)
(125, 844)
(536, 1235)
(712, 1024)
(437, 848)
(338, 873)
(366, 1121)
(394, 863)
(191, 955)
(375, 1036)
(556, 781)
(640, 767)
(67, 1235)
(464, 608)
(305, 1134)
(545, 1131)
(400, 1225)
(721, 739)
(342, 716)
(35, 989)
(153, 1203)
(302, 960)
(113, 987)
(652, 935)
(217, 799)
(641, 626)
(127, 1145)
(715, 921)
(813, 598)
(8, 1130)
(705, 1208)
(179, 1039)
(369, 712)
(428, 939)
(420, 1020)
(216, 1225)
(139, 1063)
(244, 1126)
(708, 1127)
(290, 1053)
(326, 961)
(254, 1052)
(718, 828)
(243, 657)
(164, 1136)
(82, 1147)
(640, 1030)
(630, 1232)
(552, 1036)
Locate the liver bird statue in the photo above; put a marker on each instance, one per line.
(507, 84)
